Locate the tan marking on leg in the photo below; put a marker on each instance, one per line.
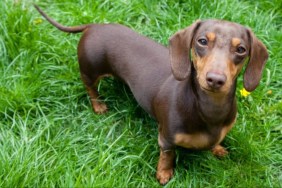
(98, 106)
(101, 77)
(160, 141)
(219, 151)
(225, 130)
(165, 166)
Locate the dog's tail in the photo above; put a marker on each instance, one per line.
(74, 29)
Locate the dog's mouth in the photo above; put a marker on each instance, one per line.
(214, 92)
(210, 90)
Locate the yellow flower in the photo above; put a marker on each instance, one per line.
(244, 92)
(269, 92)
(37, 21)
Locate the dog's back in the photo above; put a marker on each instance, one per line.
(137, 60)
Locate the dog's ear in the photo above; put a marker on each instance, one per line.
(179, 51)
(258, 58)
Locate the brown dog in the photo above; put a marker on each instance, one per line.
(193, 101)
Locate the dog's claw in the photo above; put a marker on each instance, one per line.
(100, 108)
(219, 151)
(164, 176)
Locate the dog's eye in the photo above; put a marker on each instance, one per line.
(203, 42)
(240, 50)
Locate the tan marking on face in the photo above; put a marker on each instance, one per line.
(216, 62)
(231, 73)
(235, 42)
(211, 36)
(202, 65)
(234, 70)
(192, 141)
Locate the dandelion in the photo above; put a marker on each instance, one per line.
(37, 21)
(244, 92)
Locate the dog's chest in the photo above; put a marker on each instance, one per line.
(200, 140)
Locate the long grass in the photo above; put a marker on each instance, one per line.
(49, 136)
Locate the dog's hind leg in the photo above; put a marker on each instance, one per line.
(91, 87)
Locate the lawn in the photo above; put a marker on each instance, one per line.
(50, 137)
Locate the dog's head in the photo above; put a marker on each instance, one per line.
(219, 50)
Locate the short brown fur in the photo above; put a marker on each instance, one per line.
(193, 101)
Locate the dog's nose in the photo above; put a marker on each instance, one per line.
(215, 80)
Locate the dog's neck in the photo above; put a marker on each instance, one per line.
(214, 108)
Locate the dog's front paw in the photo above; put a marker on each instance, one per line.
(99, 107)
(219, 151)
(164, 176)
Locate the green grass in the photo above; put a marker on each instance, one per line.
(49, 136)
